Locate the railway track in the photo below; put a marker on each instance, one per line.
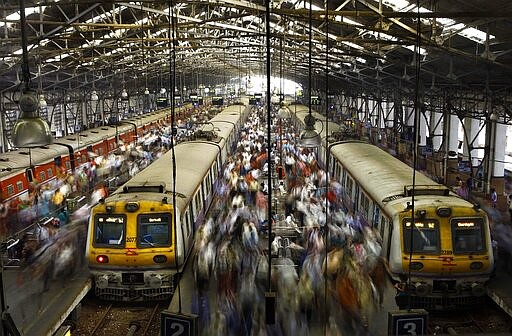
(486, 319)
(100, 318)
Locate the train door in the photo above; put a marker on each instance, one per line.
(191, 213)
(186, 218)
(364, 208)
(197, 203)
(204, 196)
(356, 198)
(335, 170)
(385, 233)
(376, 216)
(207, 184)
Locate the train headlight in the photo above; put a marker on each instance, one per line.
(159, 258)
(477, 289)
(416, 266)
(476, 265)
(444, 212)
(102, 259)
(131, 206)
(422, 289)
(155, 281)
(102, 281)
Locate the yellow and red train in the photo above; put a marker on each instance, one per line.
(138, 238)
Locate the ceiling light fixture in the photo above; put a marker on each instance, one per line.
(450, 74)
(29, 130)
(309, 137)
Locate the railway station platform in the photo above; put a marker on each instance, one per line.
(499, 289)
(40, 311)
(377, 326)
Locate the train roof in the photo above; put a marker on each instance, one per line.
(12, 162)
(193, 160)
(384, 177)
(225, 121)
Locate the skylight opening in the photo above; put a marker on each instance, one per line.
(352, 45)
(347, 21)
(57, 58)
(142, 21)
(423, 51)
(16, 15)
(20, 51)
(101, 17)
(303, 4)
(473, 34)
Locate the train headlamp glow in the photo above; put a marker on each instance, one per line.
(131, 206)
(102, 281)
(102, 259)
(155, 281)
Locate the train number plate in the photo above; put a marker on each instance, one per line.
(133, 278)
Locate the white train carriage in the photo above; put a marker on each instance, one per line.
(447, 236)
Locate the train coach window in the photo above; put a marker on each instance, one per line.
(109, 230)
(364, 205)
(425, 236)
(337, 171)
(154, 230)
(10, 190)
(197, 202)
(49, 172)
(467, 235)
(42, 176)
(19, 185)
(350, 186)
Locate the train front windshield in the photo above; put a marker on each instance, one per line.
(468, 235)
(109, 230)
(154, 230)
(425, 236)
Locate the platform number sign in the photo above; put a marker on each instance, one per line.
(408, 322)
(176, 324)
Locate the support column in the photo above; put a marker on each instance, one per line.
(472, 127)
(497, 138)
(451, 130)
(435, 158)
(408, 135)
(387, 123)
(422, 140)
(436, 131)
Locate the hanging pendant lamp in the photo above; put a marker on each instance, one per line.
(29, 130)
